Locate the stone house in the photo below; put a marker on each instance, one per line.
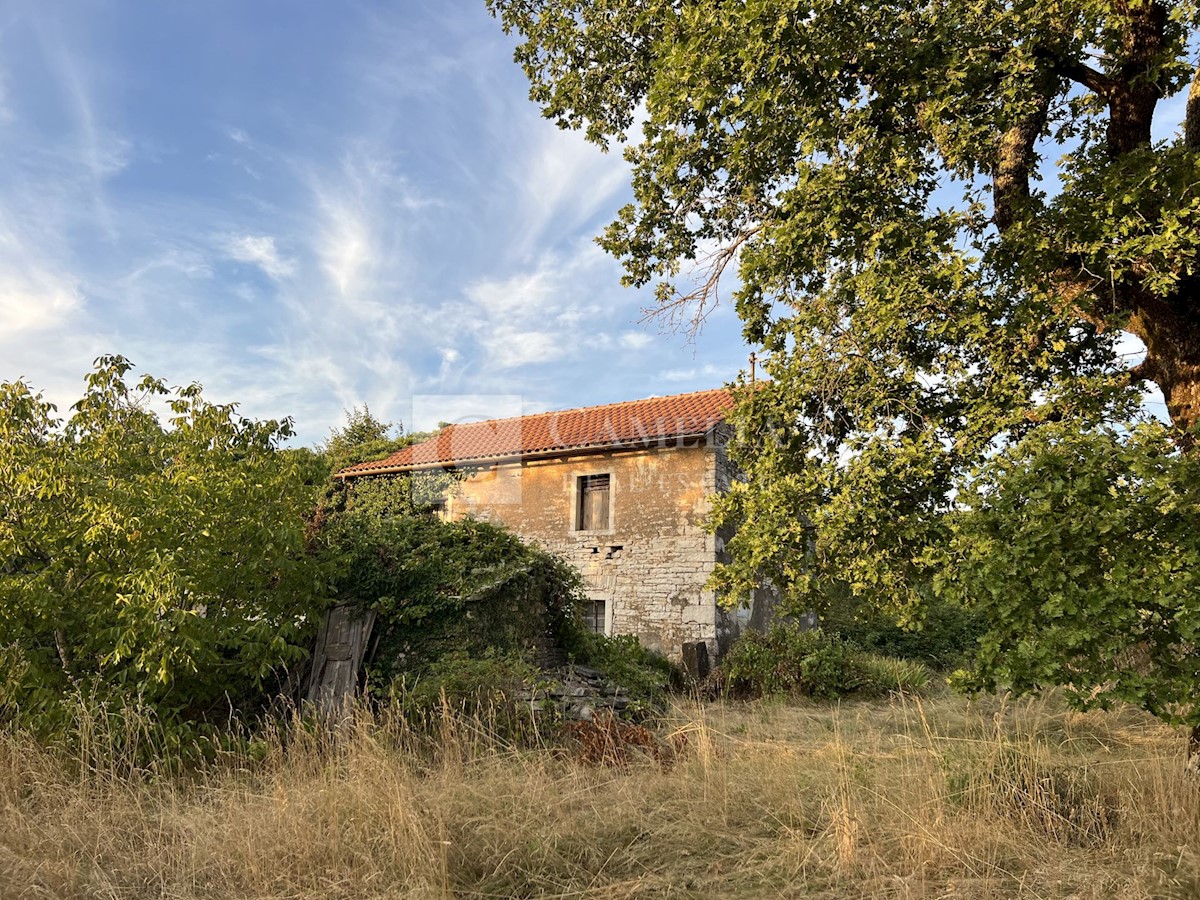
(621, 491)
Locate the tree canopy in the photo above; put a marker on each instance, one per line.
(157, 563)
(940, 221)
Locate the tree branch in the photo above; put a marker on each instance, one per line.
(1014, 160)
(704, 296)
(1081, 73)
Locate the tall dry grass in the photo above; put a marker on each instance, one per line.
(900, 799)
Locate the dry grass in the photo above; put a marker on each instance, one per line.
(899, 799)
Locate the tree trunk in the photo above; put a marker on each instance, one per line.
(1171, 333)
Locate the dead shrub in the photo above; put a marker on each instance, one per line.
(1067, 804)
(606, 740)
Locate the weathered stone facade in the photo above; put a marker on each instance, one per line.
(650, 565)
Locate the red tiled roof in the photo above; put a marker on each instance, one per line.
(636, 423)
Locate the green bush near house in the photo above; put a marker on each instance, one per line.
(791, 661)
(439, 587)
(467, 609)
(647, 676)
(946, 635)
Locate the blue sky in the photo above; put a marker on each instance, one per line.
(308, 206)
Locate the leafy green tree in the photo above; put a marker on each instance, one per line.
(942, 218)
(159, 563)
(363, 438)
(1102, 599)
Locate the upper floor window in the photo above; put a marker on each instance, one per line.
(591, 513)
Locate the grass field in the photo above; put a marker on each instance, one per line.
(937, 798)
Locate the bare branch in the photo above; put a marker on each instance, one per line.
(688, 311)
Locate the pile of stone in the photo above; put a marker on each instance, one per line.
(577, 692)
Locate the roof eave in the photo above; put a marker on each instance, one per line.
(660, 442)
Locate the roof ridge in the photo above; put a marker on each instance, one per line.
(625, 422)
(551, 412)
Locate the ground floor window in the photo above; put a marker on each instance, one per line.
(593, 615)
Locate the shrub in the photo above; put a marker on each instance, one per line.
(814, 663)
(485, 688)
(150, 563)
(791, 660)
(466, 683)
(466, 606)
(648, 677)
(887, 674)
(440, 588)
(944, 636)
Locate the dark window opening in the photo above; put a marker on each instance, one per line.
(592, 514)
(593, 616)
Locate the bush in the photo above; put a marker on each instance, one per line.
(485, 688)
(442, 588)
(886, 673)
(147, 560)
(466, 683)
(647, 676)
(814, 663)
(943, 638)
(790, 660)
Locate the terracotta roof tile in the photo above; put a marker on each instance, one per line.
(631, 424)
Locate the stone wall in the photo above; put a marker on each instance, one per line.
(651, 564)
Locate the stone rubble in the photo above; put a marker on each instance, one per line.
(577, 692)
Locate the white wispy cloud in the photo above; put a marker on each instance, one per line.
(187, 261)
(419, 228)
(697, 374)
(539, 315)
(259, 250)
(33, 298)
(635, 340)
(98, 148)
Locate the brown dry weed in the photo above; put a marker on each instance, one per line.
(904, 799)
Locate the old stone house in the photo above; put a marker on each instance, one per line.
(621, 491)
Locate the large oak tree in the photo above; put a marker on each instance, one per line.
(940, 219)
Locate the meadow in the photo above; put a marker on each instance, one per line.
(904, 798)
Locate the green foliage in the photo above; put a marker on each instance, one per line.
(444, 587)
(159, 565)
(1083, 552)
(886, 674)
(945, 636)
(363, 438)
(792, 661)
(483, 686)
(647, 676)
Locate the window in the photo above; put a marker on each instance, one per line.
(593, 615)
(592, 512)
